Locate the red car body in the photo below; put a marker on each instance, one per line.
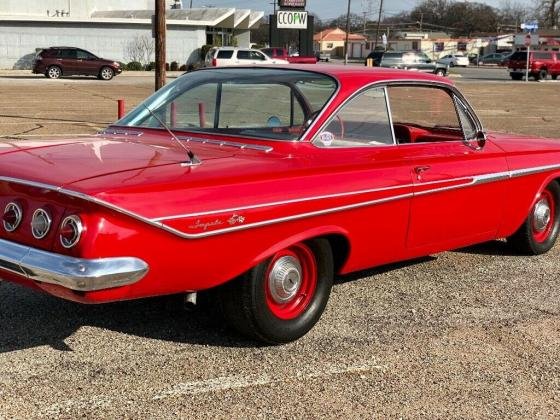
(282, 54)
(187, 226)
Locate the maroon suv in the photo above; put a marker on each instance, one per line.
(55, 62)
(541, 64)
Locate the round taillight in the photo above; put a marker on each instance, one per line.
(70, 231)
(40, 223)
(12, 217)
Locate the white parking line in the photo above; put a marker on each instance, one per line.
(226, 383)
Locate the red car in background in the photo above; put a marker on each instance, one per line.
(55, 62)
(282, 54)
(264, 183)
(541, 64)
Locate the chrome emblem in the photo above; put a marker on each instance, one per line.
(236, 219)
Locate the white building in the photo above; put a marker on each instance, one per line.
(108, 28)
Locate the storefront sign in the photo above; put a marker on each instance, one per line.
(292, 20)
(300, 4)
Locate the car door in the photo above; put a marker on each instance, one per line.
(459, 188)
(86, 63)
(363, 170)
(67, 60)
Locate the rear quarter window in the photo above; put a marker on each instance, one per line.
(542, 56)
(225, 54)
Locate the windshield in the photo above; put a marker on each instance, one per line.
(275, 104)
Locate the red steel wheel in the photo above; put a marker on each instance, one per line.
(543, 216)
(290, 281)
(540, 229)
(283, 297)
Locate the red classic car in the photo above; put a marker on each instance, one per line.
(265, 183)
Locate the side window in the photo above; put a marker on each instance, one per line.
(225, 54)
(363, 121)
(83, 55)
(255, 55)
(71, 54)
(243, 55)
(424, 114)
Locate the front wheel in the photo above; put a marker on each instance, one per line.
(106, 73)
(282, 298)
(440, 72)
(539, 231)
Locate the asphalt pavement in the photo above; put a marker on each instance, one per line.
(473, 333)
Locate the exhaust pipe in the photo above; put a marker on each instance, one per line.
(190, 301)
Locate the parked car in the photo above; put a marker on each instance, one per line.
(264, 183)
(453, 60)
(323, 56)
(55, 62)
(494, 58)
(282, 54)
(541, 64)
(408, 60)
(233, 56)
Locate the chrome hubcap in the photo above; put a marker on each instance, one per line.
(106, 73)
(541, 215)
(284, 280)
(54, 72)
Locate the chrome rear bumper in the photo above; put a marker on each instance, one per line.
(73, 273)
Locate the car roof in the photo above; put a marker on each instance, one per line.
(354, 74)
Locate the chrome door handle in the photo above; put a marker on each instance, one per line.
(419, 170)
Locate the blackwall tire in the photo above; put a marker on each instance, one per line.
(539, 231)
(54, 72)
(265, 304)
(106, 73)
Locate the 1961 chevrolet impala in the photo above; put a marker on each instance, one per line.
(265, 183)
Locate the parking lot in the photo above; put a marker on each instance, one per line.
(470, 333)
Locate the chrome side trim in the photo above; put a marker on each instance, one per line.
(220, 143)
(120, 132)
(73, 273)
(156, 222)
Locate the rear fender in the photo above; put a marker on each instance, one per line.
(300, 237)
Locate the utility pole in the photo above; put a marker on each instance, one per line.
(191, 5)
(347, 31)
(159, 32)
(378, 24)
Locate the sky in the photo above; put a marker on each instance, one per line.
(325, 9)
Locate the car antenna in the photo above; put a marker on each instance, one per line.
(193, 160)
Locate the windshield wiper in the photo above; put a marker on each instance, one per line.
(193, 160)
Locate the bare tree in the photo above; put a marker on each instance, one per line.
(549, 10)
(140, 49)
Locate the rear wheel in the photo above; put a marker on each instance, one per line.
(554, 76)
(541, 75)
(54, 72)
(538, 233)
(282, 298)
(440, 72)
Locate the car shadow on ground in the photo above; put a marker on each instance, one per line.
(30, 319)
(497, 247)
(42, 76)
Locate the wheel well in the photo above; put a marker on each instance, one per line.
(340, 249)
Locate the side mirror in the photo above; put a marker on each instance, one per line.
(481, 139)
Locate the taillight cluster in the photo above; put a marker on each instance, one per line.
(70, 229)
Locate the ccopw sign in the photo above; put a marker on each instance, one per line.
(292, 20)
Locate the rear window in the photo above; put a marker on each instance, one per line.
(225, 54)
(48, 53)
(392, 58)
(72, 54)
(519, 56)
(542, 56)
